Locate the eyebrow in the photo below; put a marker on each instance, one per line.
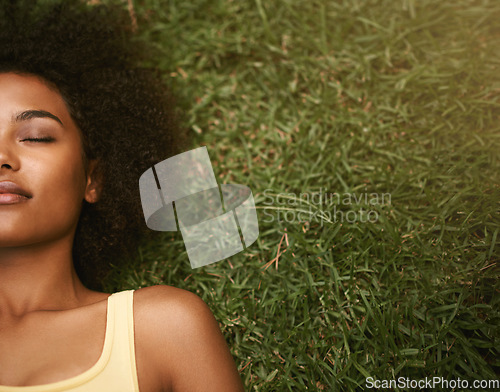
(30, 114)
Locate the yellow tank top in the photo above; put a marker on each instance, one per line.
(115, 370)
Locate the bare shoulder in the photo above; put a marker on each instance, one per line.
(159, 301)
(179, 342)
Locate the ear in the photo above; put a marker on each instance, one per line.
(94, 182)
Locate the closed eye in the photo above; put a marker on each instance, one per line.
(47, 139)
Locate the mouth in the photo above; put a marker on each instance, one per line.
(12, 198)
(11, 193)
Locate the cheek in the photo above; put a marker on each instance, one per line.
(62, 179)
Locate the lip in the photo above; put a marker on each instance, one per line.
(11, 193)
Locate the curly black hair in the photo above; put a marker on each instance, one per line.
(123, 109)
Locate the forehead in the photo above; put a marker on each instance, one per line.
(25, 92)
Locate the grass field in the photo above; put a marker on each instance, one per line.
(369, 133)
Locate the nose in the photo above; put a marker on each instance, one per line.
(8, 158)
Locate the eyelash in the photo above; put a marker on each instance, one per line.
(47, 139)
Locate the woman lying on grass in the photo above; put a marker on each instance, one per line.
(79, 123)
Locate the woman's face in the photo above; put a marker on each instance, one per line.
(42, 175)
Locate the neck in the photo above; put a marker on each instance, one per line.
(38, 277)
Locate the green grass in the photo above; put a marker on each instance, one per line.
(397, 97)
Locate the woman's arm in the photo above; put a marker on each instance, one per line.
(185, 349)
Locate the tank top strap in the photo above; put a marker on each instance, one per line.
(121, 312)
